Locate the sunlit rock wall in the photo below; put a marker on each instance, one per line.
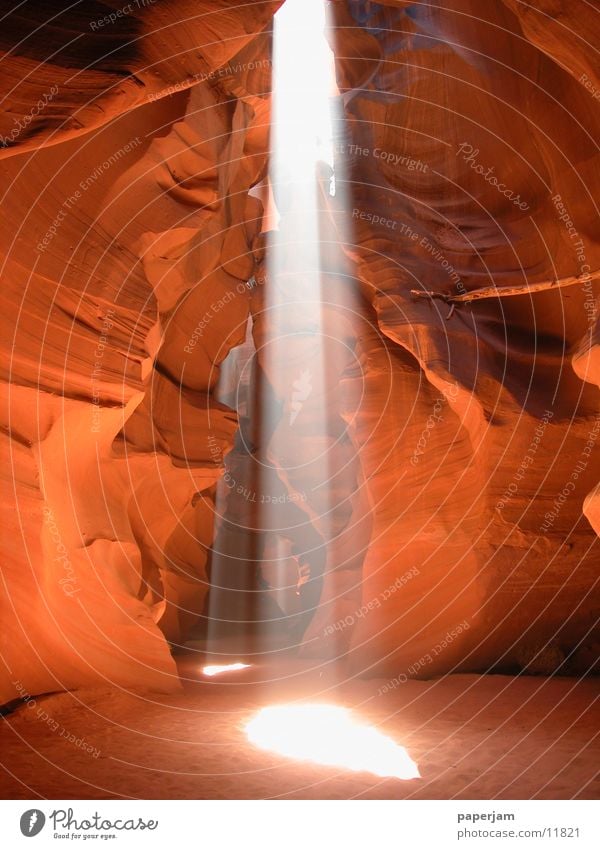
(129, 144)
(127, 235)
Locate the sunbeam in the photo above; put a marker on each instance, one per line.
(218, 669)
(329, 735)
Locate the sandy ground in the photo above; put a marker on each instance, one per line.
(472, 737)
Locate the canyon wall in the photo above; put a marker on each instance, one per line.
(126, 221)
(130, 143)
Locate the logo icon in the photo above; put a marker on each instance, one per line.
(32, 822)
(302, 389)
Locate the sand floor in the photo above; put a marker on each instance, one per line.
(471, 736)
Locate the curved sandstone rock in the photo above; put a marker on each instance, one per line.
(461, 516)
(121, 201)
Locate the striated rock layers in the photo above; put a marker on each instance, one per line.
(465, 514)
(126, 219)
(472, 135)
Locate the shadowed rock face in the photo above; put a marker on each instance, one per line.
(472, 136)
(465, 515)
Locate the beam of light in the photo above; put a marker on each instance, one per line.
(303, 83)
(329, 735)
(294, 341)
(218, 669)
(277, 510)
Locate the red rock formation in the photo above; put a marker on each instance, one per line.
(467, 469)
(122, 227)
(463, 524)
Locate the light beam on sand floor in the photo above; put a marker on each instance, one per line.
(329, 735)
(218, 669)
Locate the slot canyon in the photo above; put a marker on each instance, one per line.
(300, 399)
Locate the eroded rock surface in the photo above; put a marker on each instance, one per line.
(126, 218)
(464, 518)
